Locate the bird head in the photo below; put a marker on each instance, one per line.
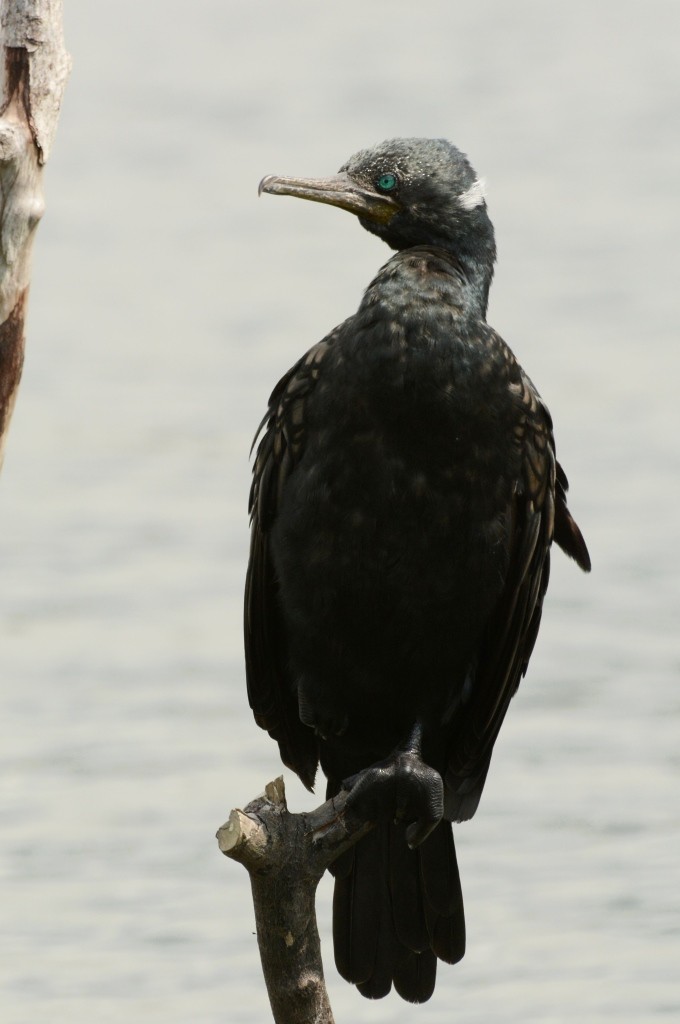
(408, 192)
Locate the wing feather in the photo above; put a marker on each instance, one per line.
(271, 690)
(539, 513)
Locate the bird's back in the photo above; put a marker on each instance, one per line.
(390, 544)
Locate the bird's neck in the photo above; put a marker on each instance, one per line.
(422, 279)
(475, 256)
(473, 245)
(469, 241)
(479, 274)
(476, 267)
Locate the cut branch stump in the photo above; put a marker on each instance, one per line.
(286, 855)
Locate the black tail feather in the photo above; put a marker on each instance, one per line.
(406, 891)
(358, 897)
(444, 897)
(396, 910)
(415, 975)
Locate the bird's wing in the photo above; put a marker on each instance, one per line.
(271, 691)
(538, 514)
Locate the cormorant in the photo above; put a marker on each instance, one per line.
(404, 501)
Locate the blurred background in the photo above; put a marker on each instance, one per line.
(166, 302)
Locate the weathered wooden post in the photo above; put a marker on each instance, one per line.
(36, 67)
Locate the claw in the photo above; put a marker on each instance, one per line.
(418, 832)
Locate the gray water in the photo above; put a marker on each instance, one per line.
(166, 302)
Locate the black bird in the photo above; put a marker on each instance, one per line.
(404, 501)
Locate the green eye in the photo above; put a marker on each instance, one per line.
(386, 182)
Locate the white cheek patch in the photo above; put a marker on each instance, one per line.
(474, 196)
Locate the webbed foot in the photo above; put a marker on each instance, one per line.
(401, 788)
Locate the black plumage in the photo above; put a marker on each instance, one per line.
(404, 501)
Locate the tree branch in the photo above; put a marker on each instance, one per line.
(286, 855)
(36, 67)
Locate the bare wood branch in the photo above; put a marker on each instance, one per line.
(36, 67)
(286, 855)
